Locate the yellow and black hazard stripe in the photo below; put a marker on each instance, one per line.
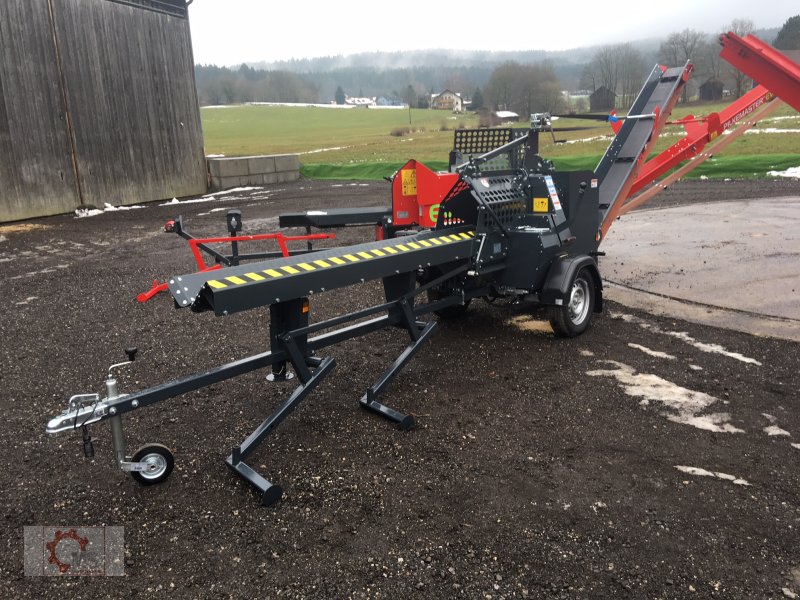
(309, 264)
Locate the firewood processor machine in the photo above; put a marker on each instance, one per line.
(501, 223)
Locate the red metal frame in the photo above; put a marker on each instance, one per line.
(699, 132)
(778, 76)
(764, 64)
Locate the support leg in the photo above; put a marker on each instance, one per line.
(369, 400)
(271, 493)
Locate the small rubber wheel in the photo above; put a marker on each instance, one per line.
(160, 463)
(573, 318)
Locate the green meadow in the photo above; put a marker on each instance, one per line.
(364, 143)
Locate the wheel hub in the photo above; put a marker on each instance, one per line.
(578, 306)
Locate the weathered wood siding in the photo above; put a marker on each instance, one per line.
(36, 170)
(128, 88)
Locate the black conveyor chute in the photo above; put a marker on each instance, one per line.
(620, 164)
(336, 217)
(235, 289)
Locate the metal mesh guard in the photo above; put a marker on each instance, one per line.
(474, 142)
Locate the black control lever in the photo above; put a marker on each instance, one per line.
(131, 352)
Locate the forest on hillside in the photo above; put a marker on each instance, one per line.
(523, 82)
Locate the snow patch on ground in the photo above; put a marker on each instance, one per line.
(587, 353)
(773, 430)
(81, 213)
(695, 367)
(796, 446)
(716, 474)
(210, 197)
(650, 352)
(685, 406)
(793, 172)
(685, 337)
(318, 150)
(771, 130)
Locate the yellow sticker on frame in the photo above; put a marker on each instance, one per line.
(409, 182)
(541, 205)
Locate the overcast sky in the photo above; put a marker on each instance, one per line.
(229, 32)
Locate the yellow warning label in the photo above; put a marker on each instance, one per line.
(540, 205)
(409, 182)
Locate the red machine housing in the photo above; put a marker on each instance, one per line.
(416, 194)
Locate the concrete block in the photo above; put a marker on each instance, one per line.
(287, 176)
(258, 165)
(287, 162)
(269, 178)
(231, 167)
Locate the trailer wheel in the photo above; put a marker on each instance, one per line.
(573, 318)
(160, 463)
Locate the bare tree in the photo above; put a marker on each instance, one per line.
(631, 71)
(524, 89)
(679, 48)
(741, 82)
(617, 67)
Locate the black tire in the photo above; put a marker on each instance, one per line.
(573, 318)
(161, 460)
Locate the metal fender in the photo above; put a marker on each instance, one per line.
(561, 275)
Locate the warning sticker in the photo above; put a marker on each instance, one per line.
(409, 182)
(551, 188)
(540, 205)
(594, 183)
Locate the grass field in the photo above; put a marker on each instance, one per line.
(369, 144)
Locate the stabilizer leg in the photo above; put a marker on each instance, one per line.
(419, 335)
(271, 493)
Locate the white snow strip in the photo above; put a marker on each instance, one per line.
(210, 197)
(318, 150)
(685, 337)
(695, 367)
(650, 352)
(796, 446)
(771, 130)
(81, 213)
(788, 118)
(775, 430)
(233, 191)
(587, 353)
(711, 348)
(685, 406)
(716, 474)
(793, 172)
(588, 140)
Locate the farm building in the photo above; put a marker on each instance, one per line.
(711, 89)
(447, 100)
(602, 99)
(355, 101)
(97, 105)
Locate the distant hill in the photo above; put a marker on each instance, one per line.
(390, 73)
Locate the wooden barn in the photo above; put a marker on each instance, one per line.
(97, 105)
(602, 99)
(711, 89)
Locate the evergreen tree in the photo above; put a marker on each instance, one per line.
(789, 35)
(477, 99)
(339, 95)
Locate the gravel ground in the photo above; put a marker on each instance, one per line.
(540, 468)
